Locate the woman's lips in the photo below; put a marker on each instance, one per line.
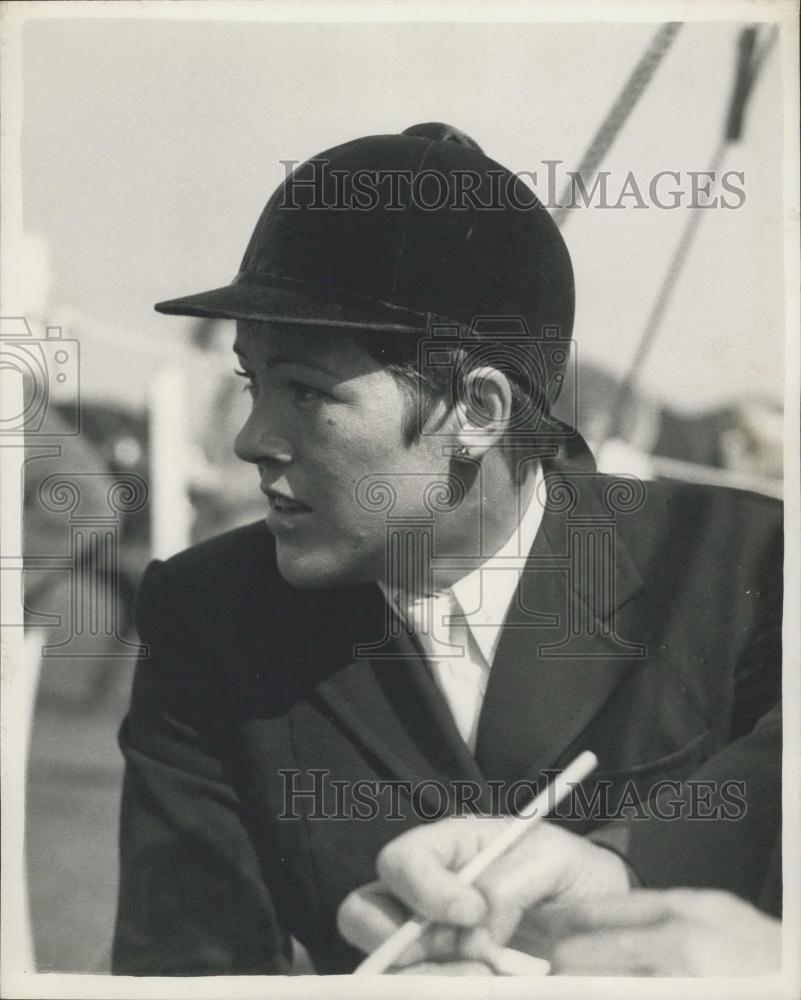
(285, 513)
(282, 502)
(287, 505)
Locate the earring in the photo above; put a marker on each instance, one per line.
(462, 452)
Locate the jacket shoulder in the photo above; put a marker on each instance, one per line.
(651, 512)
(248, 552)
(722, 498)
(720, 515)
(730, 541)
(221, 621)
(195, 585)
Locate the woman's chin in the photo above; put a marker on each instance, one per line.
(312, 570)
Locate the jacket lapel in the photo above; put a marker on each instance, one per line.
(559, 657)
(391, 706)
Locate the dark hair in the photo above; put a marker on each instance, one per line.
(428, 384)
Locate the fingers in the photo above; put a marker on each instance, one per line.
(419, 868)
(632, 934)
(369, 915)
(636, 908)
(611, 936)
(649, 951)
(676, 932)
(510, 889)
(639, 907)
(545, 866)
(507, 962)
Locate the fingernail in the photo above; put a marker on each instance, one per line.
(465, 910)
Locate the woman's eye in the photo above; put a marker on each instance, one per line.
(306, 393)
(248, 376)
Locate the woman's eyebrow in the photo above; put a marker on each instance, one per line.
(295, 359)
(290, 359)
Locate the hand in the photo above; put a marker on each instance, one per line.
(548, 869)
(674, 932)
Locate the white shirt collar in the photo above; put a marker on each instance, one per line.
(486, 593)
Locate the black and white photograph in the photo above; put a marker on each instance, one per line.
(400, 499)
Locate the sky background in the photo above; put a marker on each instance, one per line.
(150, 147)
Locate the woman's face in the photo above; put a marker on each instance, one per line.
(324, 416)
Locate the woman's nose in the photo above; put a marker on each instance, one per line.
(259, 442)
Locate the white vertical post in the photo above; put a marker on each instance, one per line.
(18, 680)
(171, 515)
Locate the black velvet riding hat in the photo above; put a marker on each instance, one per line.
(394, 232)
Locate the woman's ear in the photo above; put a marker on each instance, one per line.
(484, 411)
